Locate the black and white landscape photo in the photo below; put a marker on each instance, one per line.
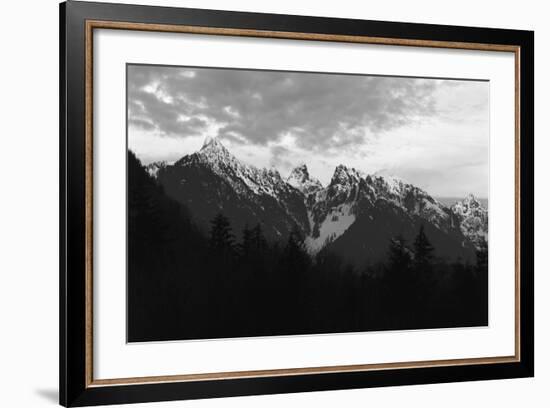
(267, 203)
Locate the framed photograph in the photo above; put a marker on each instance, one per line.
(256, 203)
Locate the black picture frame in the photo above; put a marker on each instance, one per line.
(76, 389)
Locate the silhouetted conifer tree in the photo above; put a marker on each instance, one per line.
(295, 246)
(259, 242)
(398, 255)
(246, 246)
(397, 283)
(482, 258)
(146, 218)
(423, 252)
(423, 283)
(482, 275)
(222, 241)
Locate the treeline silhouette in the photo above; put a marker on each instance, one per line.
(185, 284)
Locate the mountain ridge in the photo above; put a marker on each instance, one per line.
(213, 180)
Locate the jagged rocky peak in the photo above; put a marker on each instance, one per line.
(394, 184)
(300, 178)
(299, 173)
(211, 141)
(212, 153)
(471, 201)
(345, 175)
(213, 179)
(469, 205)
(272, 173)
(389, 184)
(153, 168)
(215, 146)
(474, 219)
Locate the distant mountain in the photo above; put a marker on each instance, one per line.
(355, 215)
(450, 201)
(474, 219)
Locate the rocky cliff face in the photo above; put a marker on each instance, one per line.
(300, 179)
(474, 220)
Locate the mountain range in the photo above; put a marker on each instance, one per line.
(355, 215)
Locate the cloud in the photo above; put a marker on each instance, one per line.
(279, 157)
(427, 131)
(261, 107)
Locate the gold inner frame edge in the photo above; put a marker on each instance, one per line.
(119, 25)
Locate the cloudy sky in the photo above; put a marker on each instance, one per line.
(432, 133)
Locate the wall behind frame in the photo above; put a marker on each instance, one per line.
(29, 202)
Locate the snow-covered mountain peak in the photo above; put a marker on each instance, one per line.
(212, 146)
(474, 219)
(394, 184)
(211, 141)
(389, 184)
(468, 206)
(345, 175)
(299, 173)
(272, 173)
(471, 201)
(247, 181)
(216, 156)
(213, 179)
(300, 179)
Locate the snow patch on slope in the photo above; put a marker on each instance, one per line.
(334, 225)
